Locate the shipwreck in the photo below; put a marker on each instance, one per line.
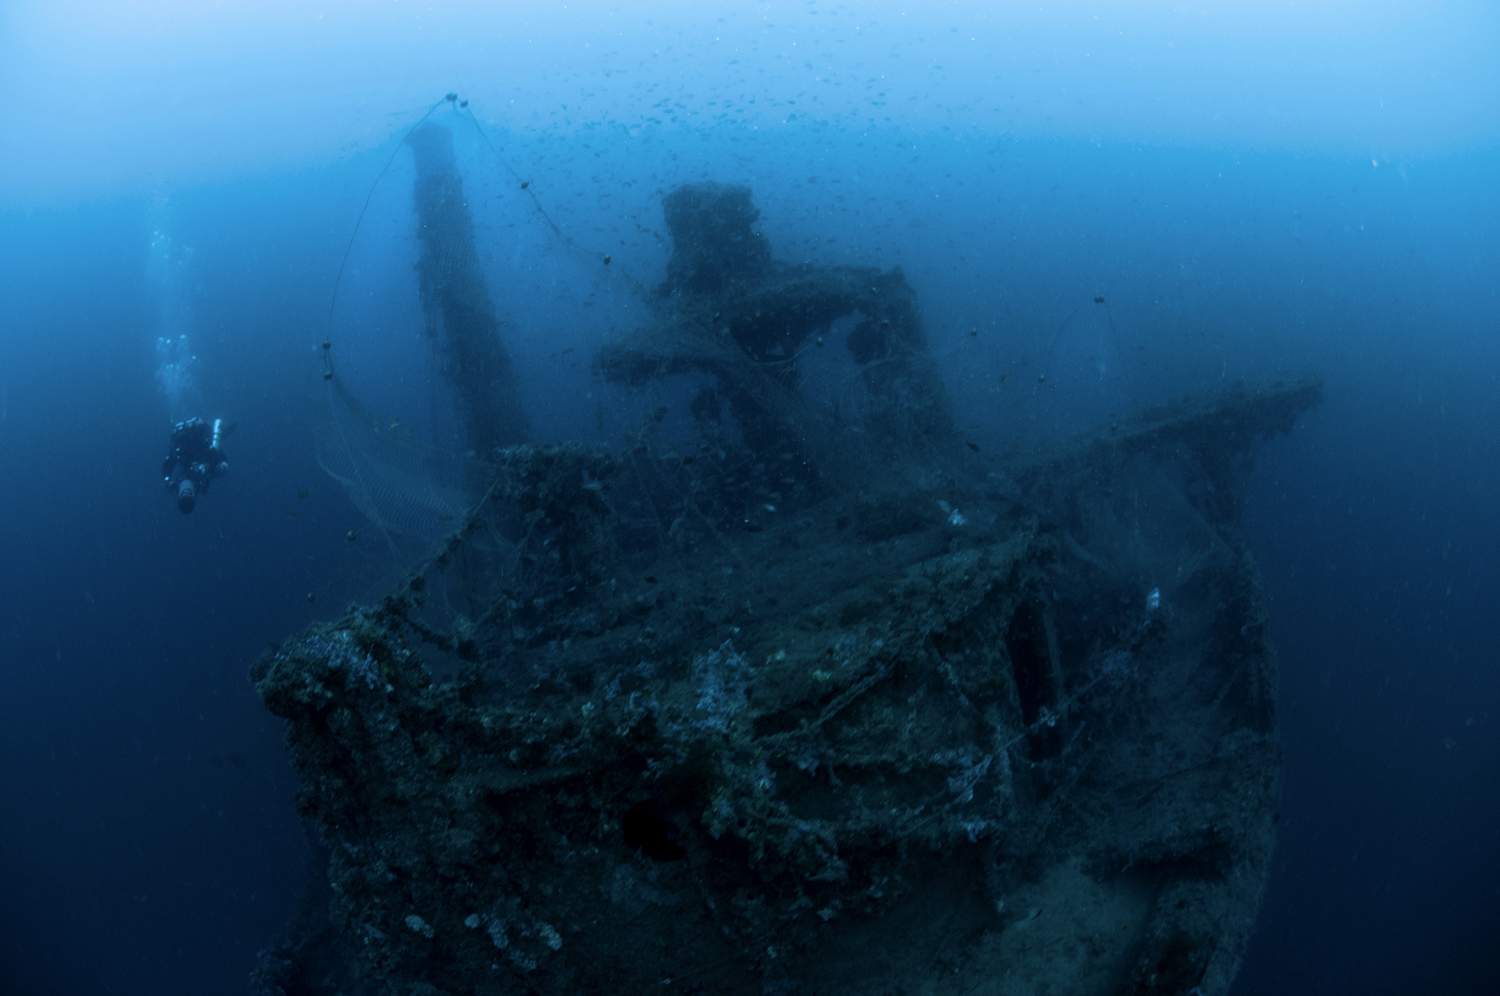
(809, 699)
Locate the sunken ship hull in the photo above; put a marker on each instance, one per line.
(801, 709)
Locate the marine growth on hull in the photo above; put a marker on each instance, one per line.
(817, 702)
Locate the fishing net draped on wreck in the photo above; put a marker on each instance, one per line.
(638, 727)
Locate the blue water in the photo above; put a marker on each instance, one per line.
(1256, 191)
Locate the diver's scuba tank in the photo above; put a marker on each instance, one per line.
(218, 434)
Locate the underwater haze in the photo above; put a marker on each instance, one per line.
(1100, 206)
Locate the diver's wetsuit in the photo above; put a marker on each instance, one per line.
(194, 458)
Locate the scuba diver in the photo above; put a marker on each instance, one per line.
(194, 458)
